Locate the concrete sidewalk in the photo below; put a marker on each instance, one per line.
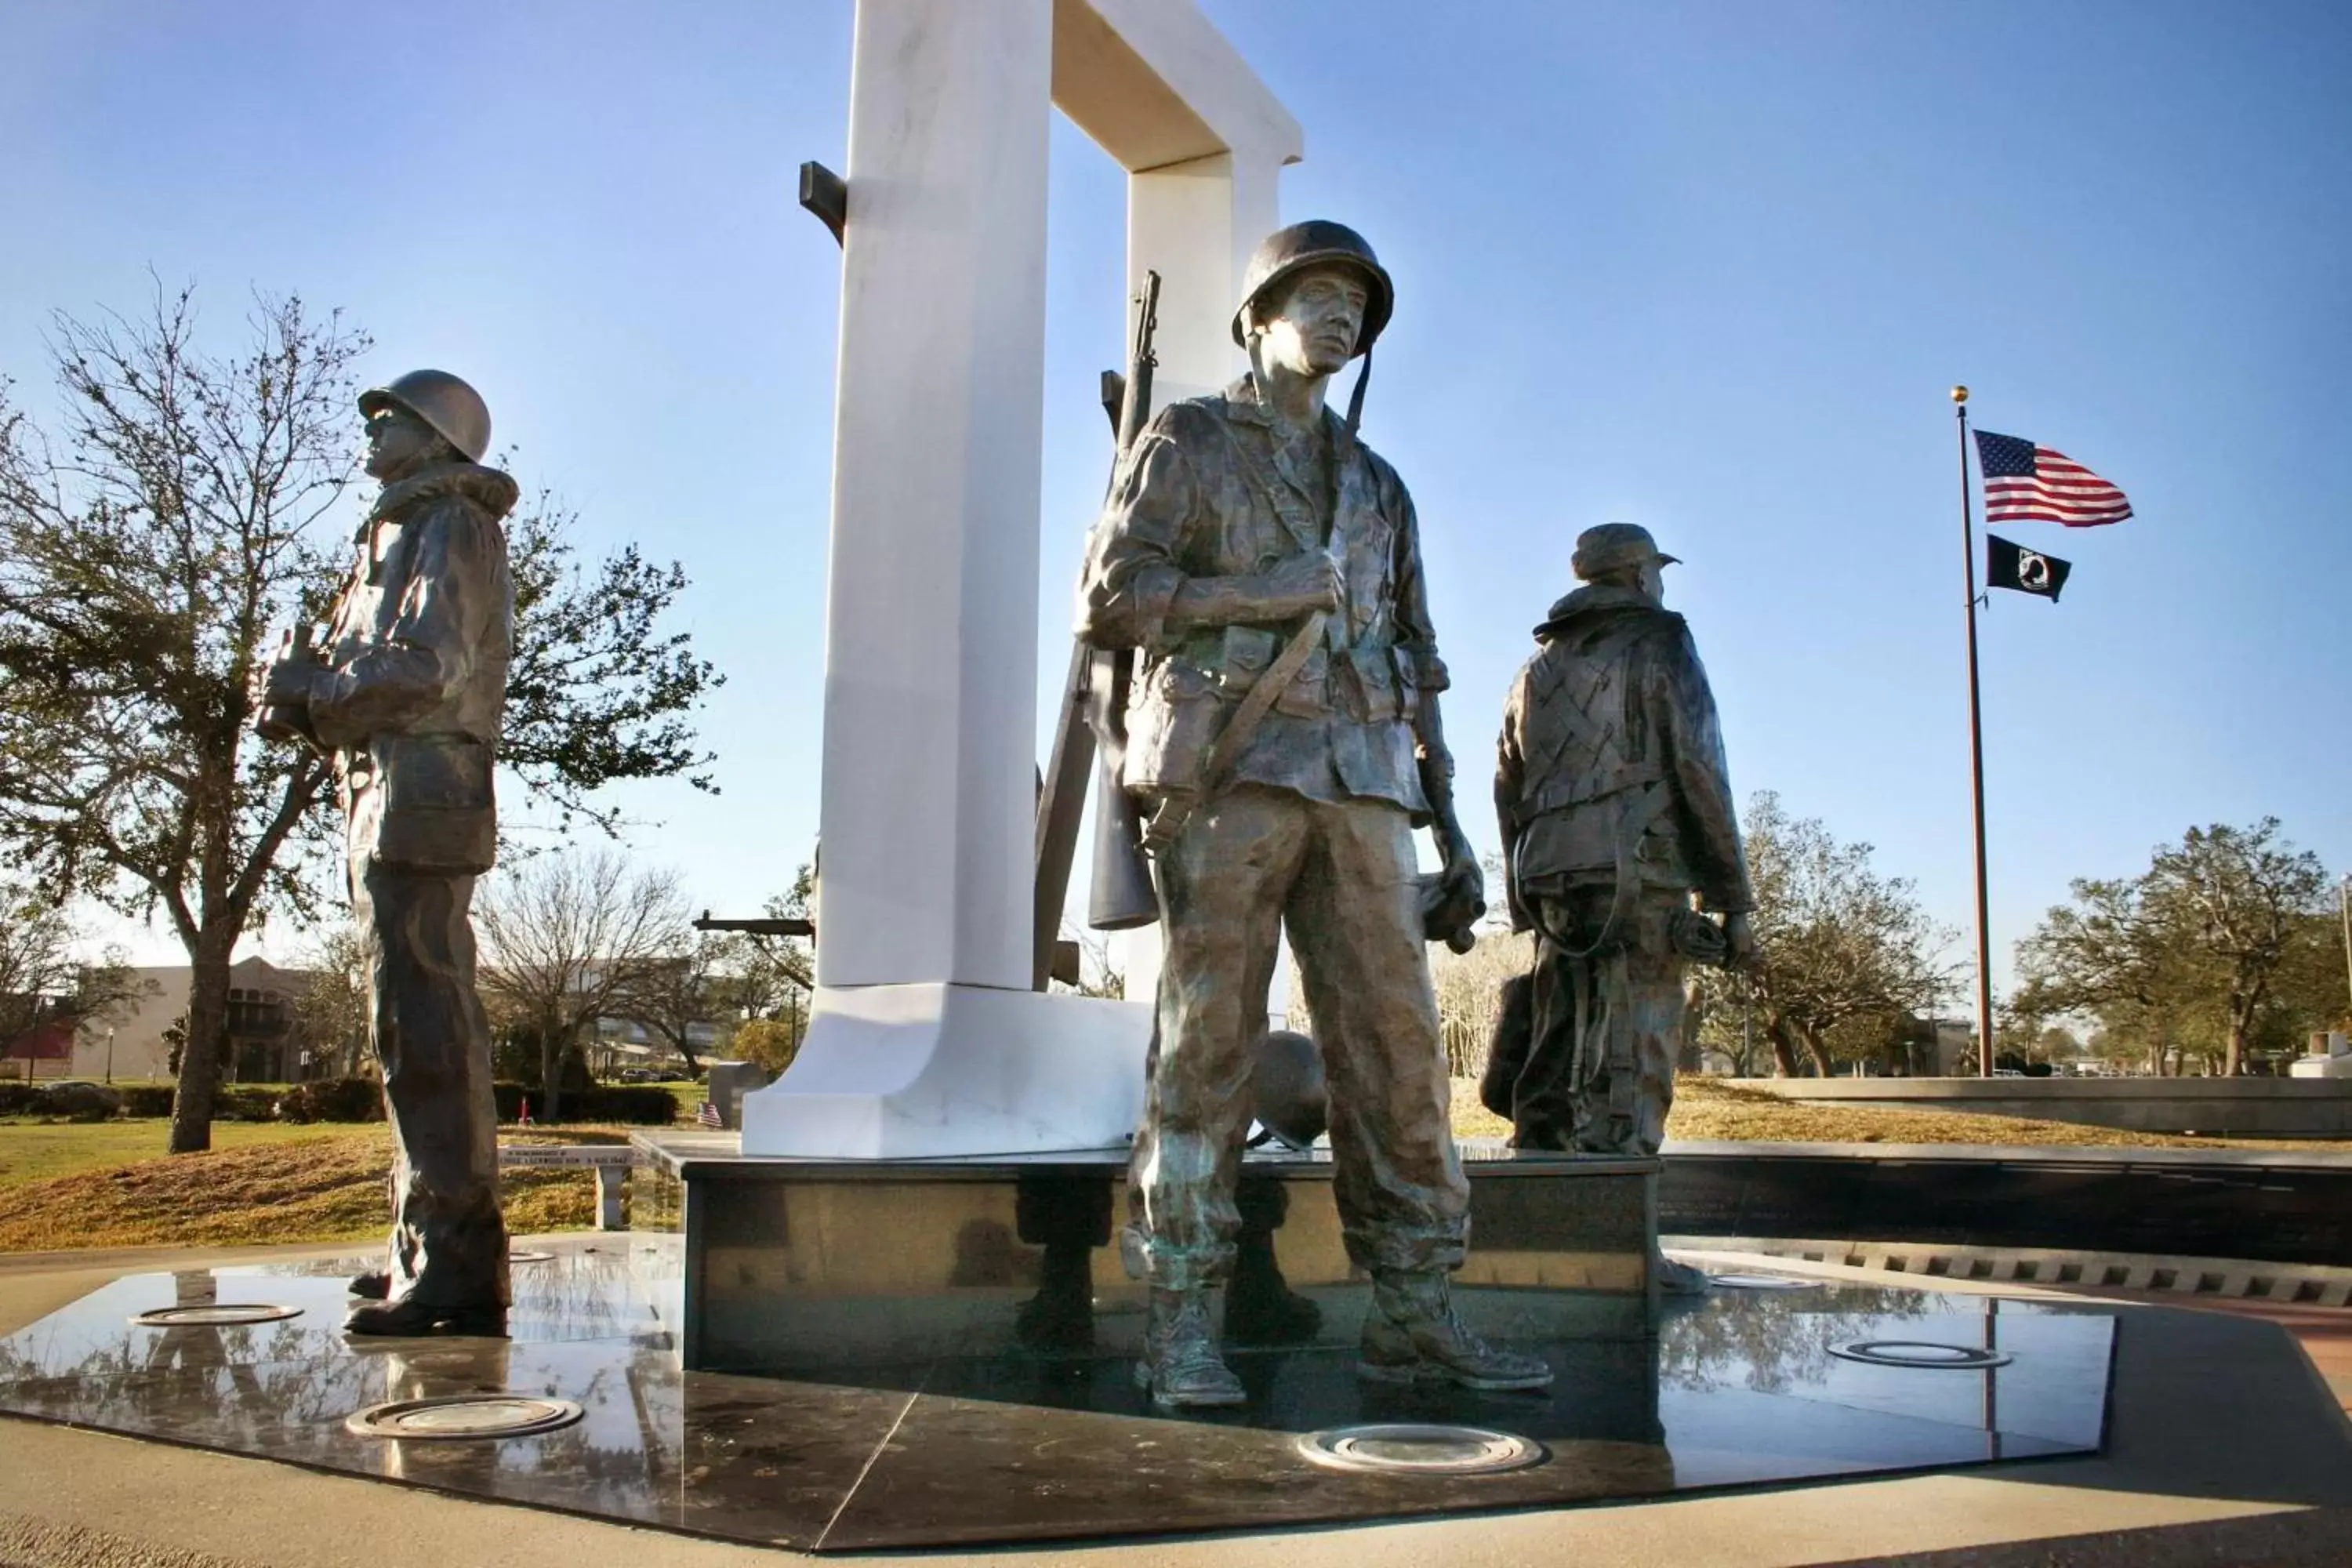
(2221, 1450)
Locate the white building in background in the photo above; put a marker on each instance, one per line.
(265, 1044)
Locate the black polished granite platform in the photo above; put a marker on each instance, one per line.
(897, 1268)
(1003, 1443)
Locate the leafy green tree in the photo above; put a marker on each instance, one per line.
(2116, 955)
(772, 1043)
(1844, 951)
(774, 976)
(2190, 955)
(2242, 895)
(187, 505)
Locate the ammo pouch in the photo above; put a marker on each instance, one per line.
(438, 812)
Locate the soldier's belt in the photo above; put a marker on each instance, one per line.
(1177, 806)
(1560, 795)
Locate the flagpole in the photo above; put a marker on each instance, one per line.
(1976, 751)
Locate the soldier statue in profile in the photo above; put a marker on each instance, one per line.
(406, 697)
(1616, 809)
(1283, 738)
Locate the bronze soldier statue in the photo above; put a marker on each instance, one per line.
(1283, 735)
(405, 696)
(1615, 808)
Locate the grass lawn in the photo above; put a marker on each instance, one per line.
(1708, 1108)
(32, 1151)
(107, 1183)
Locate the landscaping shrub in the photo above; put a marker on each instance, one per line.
(78, 1101)
(18, 1098)
(148, 1100)
(635, 1104)
(332, 1100)
(245, 1102)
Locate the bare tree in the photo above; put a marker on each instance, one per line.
(566, 937)
(41, 979)
(334, 1009)
(678, 993)
(148, 552)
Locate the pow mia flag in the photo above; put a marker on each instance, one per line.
(2011, 565)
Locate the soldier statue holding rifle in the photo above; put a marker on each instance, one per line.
(406, 697)
(1282, 737)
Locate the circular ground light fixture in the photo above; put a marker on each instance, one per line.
(1760, 1282)
(522, 1256)
(1922, 1354)
(1416, 1448)
(215, 1315)
(463, 1417)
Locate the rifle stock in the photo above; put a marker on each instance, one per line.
(1122, 897)
(1091, 728)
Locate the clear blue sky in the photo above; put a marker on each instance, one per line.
(1710, 268)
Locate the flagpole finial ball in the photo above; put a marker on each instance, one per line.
(1960, 395)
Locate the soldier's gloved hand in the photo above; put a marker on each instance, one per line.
(1740, 938)
(280, 692)
(1301, 584)
(1462, 885)
(286, 683)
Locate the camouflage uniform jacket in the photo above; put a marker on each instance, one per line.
(1610, 733)
(1214, 488)
(412, 681)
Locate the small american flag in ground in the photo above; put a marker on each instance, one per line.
(709, 1115)
(2026, 483)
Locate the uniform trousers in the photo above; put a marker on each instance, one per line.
(1342, 877)
(432, 1041)
(1604, 1030)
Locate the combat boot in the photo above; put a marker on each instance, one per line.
(1181, 1365)
(1677, 1278)
(1414, 1335)
(412, 1318)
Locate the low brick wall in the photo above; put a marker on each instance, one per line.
(2246, 1107)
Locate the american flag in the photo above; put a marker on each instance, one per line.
(2026, 483)
(709, 1116)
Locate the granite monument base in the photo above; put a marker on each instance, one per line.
(900, 1270)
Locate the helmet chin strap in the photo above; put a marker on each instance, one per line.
(1356, 397)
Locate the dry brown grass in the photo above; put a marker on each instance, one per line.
(328, 1187)
(1710, 1110)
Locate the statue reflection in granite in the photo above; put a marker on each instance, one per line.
(405, 698)
(1283, 738)
(1068, 1220)
(1616, 808)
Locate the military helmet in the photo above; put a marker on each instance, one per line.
(1613, 546)
(455, 410)
(1303, 245)
(1288, 1095)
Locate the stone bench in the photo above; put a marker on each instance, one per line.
(610, 1162)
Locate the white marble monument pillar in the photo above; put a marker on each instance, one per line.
(924, 1039)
